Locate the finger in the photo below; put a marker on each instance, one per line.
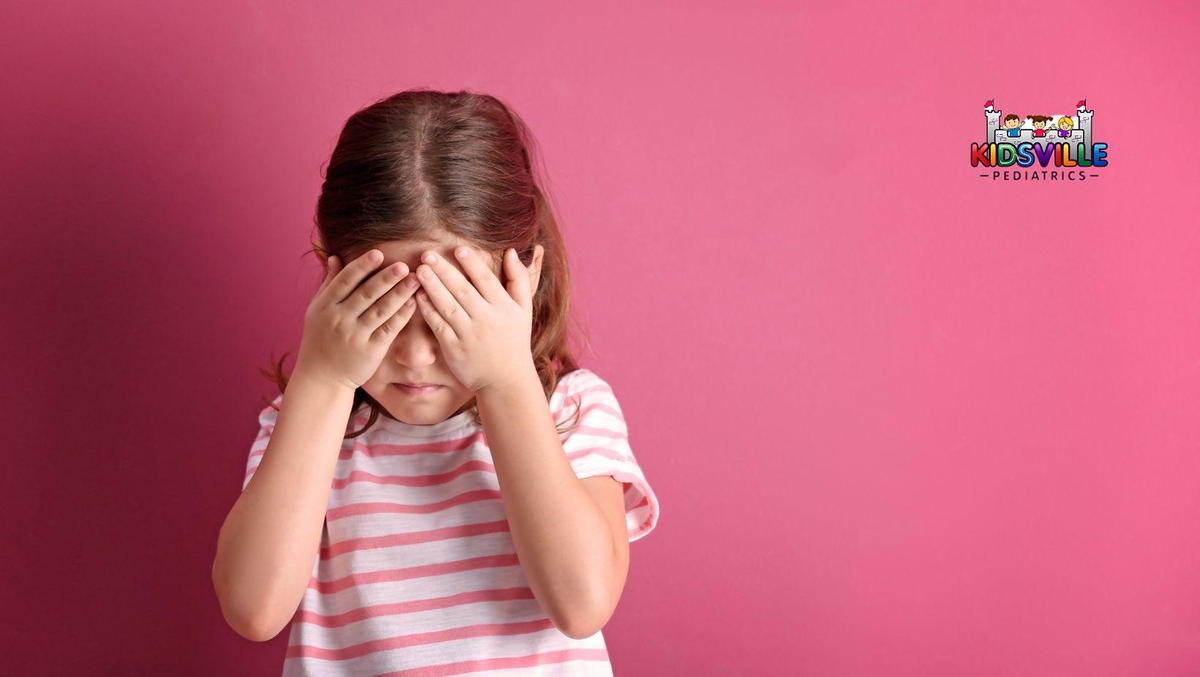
(443, 301)
(398, 320)
(388, 304)
(443, 331)
(481, 274)
(332, 265)
(347, 278)
(518, 279)
(456, 285)
(375, 290)
(366, 291)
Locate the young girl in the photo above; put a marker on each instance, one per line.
(1064, 126)
(439, 486)
(1039, 124)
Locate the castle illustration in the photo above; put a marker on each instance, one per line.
(1073, 130)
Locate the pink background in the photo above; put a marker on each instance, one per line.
(902, 420)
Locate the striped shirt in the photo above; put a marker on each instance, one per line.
(417, 573)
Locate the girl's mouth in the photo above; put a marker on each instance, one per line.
(417, 390)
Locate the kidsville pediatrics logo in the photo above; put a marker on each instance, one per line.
(1061, 141)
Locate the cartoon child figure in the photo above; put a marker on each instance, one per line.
(1039, 124)
(1065, 125)
(1012, 122)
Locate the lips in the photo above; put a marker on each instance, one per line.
(417, 385)
(417, 391)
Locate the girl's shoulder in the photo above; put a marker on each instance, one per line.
(268, 415)
(570, 387)
(585, 388)
(573, 375)
(578, 379)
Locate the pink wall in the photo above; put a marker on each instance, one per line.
(901, 419)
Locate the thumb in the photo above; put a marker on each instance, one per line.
(332, 265)
(518, 279)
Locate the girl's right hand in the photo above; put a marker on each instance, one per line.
(347, 327)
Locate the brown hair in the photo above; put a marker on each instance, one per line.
(1011, 116)
(421, 163)
(1040, 118)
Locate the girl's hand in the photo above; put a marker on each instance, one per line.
(483, 329)
(348, 327)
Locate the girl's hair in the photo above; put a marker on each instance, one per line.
(1066, 120)
(1040, 118)
(422, 163)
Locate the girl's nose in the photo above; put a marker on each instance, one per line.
(415, 346)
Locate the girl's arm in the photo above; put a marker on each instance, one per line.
(566, 543)
(271, 536)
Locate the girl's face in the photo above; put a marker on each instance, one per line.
(1065, 123)
(415, 355)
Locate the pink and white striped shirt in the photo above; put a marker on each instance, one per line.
(417, 573)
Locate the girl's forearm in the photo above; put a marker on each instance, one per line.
(562, 538)
(267, 545)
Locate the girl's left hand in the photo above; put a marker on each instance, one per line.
(483, 328)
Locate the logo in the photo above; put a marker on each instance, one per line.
(1061, 144)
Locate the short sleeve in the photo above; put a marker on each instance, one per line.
(598, 444)
(266, 425)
